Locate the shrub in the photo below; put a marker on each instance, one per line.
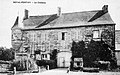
(94, 50)
(44, 63)
(20, 65)
(6, 54)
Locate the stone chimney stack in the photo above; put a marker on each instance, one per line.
(105, 8)
(25, 14)
(59, 11)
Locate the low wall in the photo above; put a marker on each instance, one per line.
(4, 66)
(117, 54)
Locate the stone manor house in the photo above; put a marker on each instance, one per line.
(58, 31)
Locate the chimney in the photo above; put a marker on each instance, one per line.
(25, 14)
(59, 11)
(105, 8)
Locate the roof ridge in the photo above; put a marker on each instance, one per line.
(66, 13)
(41, 15)
(81, 12)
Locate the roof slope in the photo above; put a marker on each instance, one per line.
(51, 18)
(34, 21)
(69, 19)
(16, 23)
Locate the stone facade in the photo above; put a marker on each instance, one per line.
(61, 39)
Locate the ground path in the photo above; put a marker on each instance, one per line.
(64, 72)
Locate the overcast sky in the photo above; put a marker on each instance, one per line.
(9, 11)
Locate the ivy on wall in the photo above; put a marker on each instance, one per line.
(95, 51)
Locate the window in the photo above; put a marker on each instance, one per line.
(44, 56)
(63, 35)
(95, 34)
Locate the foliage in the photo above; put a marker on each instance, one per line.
(78, 49)
(53, 55)
(6, 54)
(51, 63)
(20, 65)
(107, 34)
(95, 51)
(92, 51)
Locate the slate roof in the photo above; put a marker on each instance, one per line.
(85, 18)
(34, 21)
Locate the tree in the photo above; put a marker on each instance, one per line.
(78, 49)
(92, 51)
(6, 54)
(1, 53)
(53, 55)
(108, 37)
(95, 50)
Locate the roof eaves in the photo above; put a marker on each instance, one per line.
(80, 12)
(66, 27)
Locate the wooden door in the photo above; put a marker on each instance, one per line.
(61, 62)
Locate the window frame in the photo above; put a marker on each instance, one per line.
(63, 36)
(98, 34)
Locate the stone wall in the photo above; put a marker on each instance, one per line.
(4, 66)
(61, 39)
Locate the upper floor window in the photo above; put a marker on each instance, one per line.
(63, 35)
(96, 34)
(44, 56)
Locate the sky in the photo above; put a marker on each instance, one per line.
(10, 10)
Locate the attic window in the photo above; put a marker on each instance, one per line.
(96, 34)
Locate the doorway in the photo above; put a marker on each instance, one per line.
(61, 62)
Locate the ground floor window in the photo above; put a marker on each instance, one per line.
(44, 56)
